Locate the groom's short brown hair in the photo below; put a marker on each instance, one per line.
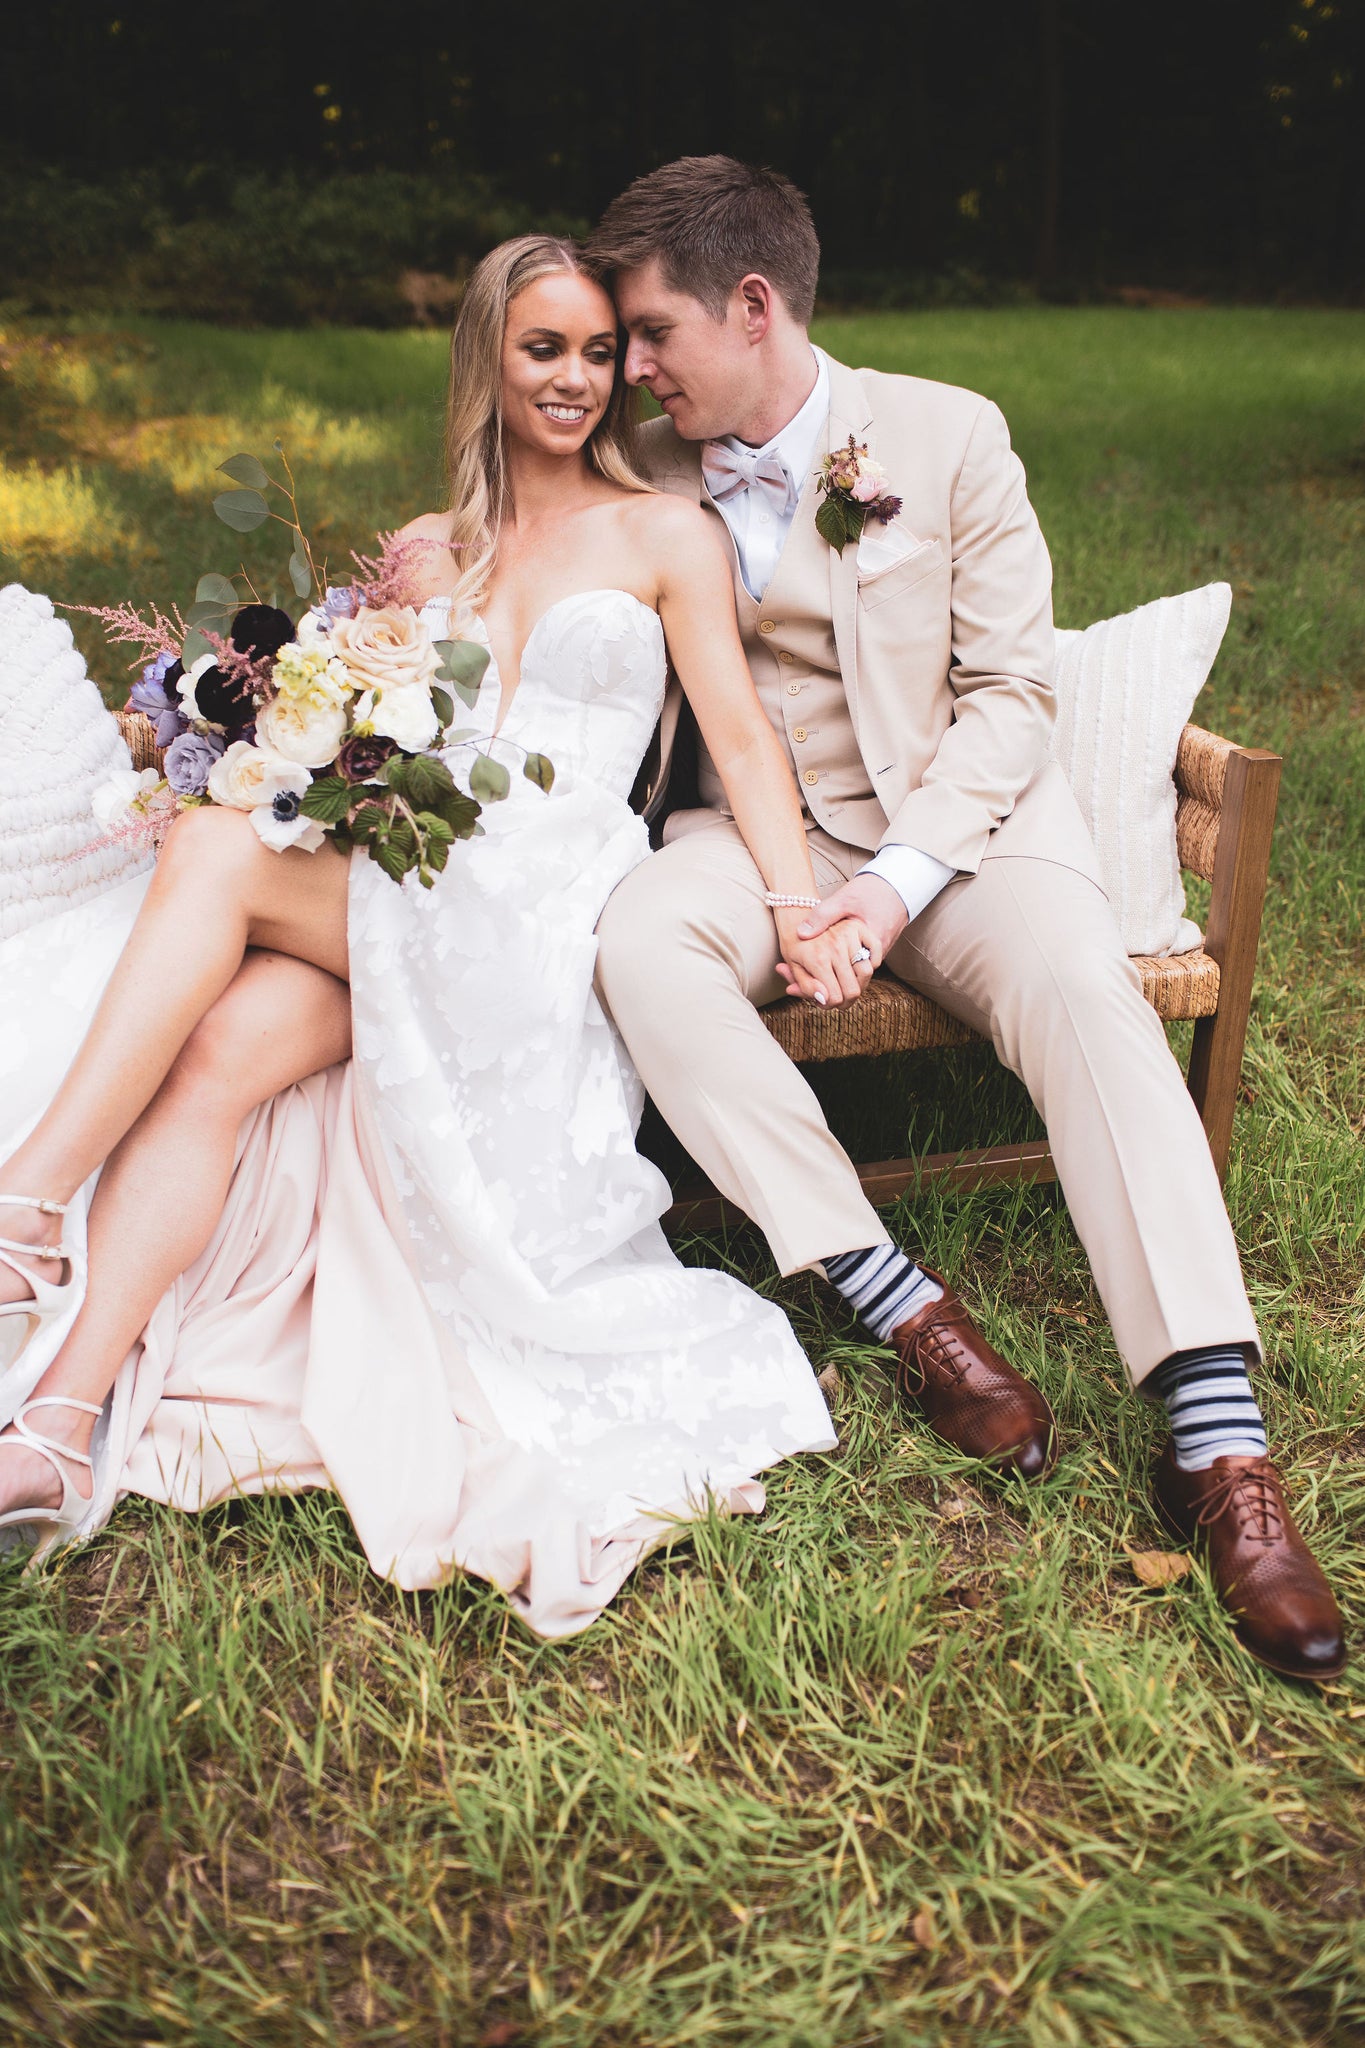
(710, 220)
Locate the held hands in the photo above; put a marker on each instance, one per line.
(818, 945)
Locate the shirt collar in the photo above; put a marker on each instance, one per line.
(797, 442)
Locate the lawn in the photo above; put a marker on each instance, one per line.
(912, 1758)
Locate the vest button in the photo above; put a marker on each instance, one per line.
(767, 626)
(786, 655)
(800, 733)
(811, 775)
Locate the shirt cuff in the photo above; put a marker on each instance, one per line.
(916, 877)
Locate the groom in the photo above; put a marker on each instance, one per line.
(908, 679)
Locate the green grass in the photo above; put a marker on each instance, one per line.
(910, 1759)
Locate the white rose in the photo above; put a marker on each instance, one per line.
(281, 833)
(407, 716)
(121, 792)
(246, 777)
(303, 729)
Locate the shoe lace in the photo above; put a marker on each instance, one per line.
(1252, 1493)
(934, 1345)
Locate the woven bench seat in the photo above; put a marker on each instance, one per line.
(889, 1017)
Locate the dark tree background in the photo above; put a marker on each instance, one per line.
(1203, 145)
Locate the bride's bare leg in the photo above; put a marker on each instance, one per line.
(216, 891)
(279, 1021)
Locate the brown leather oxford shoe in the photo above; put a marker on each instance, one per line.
(965, 1391)
(1267, 1577)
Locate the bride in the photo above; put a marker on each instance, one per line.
(434, 1278)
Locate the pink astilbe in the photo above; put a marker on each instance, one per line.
(124, 625)
(255, 671)
(144, 825)
(391, 577)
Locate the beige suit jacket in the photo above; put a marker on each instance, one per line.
(946, 652)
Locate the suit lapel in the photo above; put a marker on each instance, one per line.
(848, 414)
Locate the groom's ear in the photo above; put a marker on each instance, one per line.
(754, 296)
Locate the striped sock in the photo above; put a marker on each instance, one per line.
(885, 1287)
(1212, 1408)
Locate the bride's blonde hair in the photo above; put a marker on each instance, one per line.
(480, 491)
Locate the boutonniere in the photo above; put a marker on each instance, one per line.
(854, 484)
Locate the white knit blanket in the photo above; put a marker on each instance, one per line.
(58, 743)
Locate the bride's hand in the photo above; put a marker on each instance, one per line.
(822, 969)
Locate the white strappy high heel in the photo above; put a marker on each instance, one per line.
(54, 1526)
(47, 1298)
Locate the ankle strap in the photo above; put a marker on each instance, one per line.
(48, 1443)
(33, 1251)
(48, 1208)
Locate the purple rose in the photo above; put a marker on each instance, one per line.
(361, 759)
(150, 693)
(339, 602)
(190, 759)
(169, 726)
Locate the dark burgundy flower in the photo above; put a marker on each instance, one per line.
(359, 759)
(221, 700)
(261, 629)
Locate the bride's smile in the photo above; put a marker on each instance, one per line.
(558, 364)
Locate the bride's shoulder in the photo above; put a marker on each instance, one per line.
(428, 526)
(663, 519)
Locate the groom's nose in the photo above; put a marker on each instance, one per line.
(639, 362)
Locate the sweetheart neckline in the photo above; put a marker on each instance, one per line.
(572, 597)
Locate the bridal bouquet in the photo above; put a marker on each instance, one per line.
(325, 727)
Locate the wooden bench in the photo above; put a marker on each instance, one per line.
(1226, 797)
(1225, 815)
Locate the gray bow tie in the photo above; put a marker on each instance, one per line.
(727, 470)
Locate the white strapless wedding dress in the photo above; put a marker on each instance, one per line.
(439, 1284)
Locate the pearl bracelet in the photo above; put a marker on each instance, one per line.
(775, 900)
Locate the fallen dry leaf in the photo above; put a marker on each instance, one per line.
(829, 1383)
(922, 1928)
(1159, 1567)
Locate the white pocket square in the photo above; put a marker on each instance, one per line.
(884, 547)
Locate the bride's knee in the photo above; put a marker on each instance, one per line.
(211, 842)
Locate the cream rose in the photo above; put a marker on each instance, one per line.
(247, 777)
(386, 649)
(405, 716)
(306, 729)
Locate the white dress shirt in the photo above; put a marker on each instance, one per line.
(759, 534)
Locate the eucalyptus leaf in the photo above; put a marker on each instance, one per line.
(210, 614)
(215, 590)
(444, 707)
(300, 575)
(194, 645)
(489, 779)
(245, 469)
(243, 511)
(541, 771)
(463, 664)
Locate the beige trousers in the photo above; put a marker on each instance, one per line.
(1025, 951)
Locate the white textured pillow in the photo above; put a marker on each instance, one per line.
(57, 745)
(1125, 690)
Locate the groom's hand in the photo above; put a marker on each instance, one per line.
(872, 902)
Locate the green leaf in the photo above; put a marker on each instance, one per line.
(391, 858)
(278, 445)
(209, 614)
(328, 799)
(461, 813)
(215, 590)
(855, 519)
(444, 705)
(193, 646)
(466, 732)
(463, 664)
(300, 575)
(831, 523)
(435, 826)
(541, 771)
(421, 779)
(370, 820)
(489, 779)
(245, 469)
(405, 838)
(438, 853)
(243, 511)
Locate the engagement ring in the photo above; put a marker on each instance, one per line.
(863, 953)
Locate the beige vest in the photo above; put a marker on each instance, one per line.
(788, 637)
